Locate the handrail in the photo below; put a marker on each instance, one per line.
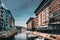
(44, 35)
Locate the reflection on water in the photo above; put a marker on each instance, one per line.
(20, 36)
(10, 38)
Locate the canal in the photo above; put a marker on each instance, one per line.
(19, 36)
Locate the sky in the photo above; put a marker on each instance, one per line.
(21, 10)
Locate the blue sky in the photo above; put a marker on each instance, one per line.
(21, 9)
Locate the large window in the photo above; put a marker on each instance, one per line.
(51, 18)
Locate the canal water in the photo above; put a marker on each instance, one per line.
(19, 36)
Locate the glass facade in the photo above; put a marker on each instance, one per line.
(6, 19)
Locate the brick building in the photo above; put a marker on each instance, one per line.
(42, 12)
(35, 20)
(48, 13)
(30, 23)
(54, 8)
(43, 18)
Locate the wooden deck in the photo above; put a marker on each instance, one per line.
(44, 35)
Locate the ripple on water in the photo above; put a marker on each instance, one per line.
(21, 36)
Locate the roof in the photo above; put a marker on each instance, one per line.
(41, 6)
(38, 7)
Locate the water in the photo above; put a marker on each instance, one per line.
(19, 36)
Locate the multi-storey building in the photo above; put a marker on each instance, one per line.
(7, 21)
(48, 13)
(13, 22)
(42, 12)
(30, 23)
(10, 22)
(1, 19)
(43, 18)
(35, 20)
(54, 8)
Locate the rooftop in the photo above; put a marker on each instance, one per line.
(41, 6)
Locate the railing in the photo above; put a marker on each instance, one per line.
(50, 31)
(44, 35)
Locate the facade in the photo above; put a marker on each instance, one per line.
(42, 12)
(43, 18)
(13, 22)
(1, 18)
(10, 22)
(54, 8)
(30, 23)
(7, 21)
(48, 13)
(35, 20)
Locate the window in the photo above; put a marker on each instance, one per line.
(1, 11)
(51, 16)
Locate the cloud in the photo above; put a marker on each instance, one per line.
(20, 23)
(21, 9)
(4, 6)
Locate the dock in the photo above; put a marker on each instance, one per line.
(44, 35)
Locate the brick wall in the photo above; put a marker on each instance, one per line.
(43, 17)
(55, 5)
(29, 25)
(35, 22)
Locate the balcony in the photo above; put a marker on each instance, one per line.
(1, 17)
(56, 19)
(54, 4)
(57, 16)
(47, 22)
(57, 12)
(7, 18)
(1, 24)
(1, 20)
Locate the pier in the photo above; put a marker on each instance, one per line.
(44, 35)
